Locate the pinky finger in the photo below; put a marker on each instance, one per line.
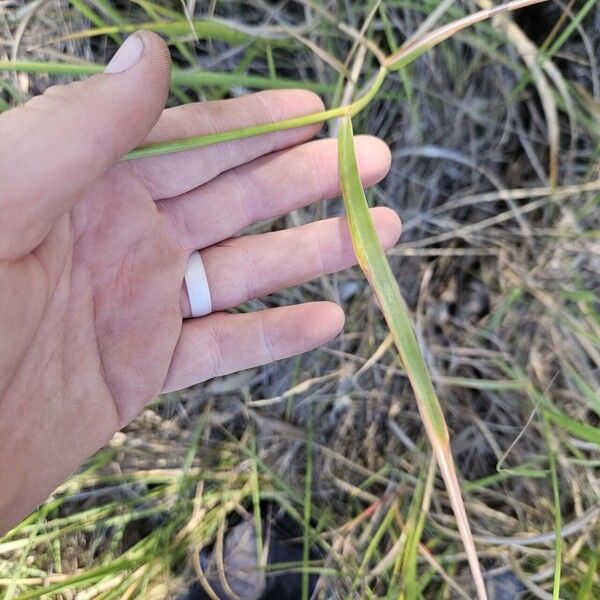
(223, 343)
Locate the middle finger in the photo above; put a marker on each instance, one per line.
(268, 187)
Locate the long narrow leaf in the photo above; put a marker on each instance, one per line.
(586, 589)
(373, 262)
(558, 551)
(202, 29)
(576, 428)
(89, 13)
(185, 77)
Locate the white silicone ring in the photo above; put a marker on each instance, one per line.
(197, 286)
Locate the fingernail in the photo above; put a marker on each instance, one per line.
(127, 55)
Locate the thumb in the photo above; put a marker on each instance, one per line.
(58, 143)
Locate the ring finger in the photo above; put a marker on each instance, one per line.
(240, 269)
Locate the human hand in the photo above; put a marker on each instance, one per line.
(93, 314)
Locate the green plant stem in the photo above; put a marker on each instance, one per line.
(237, 134)
(557, 514)
(188, 77)
(185, 77)
(202, 28)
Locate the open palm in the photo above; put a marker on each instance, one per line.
(93, 313)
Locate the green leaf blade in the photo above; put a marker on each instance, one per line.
(373, 262)
(580, 430)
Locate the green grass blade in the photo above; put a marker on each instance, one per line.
(151, 11)
(255, 493)
(373, 262)
(375, 265)
(411, 51)
(112, 13)
(88, 13)
(557, 510)
(592, 398)
(185, 77)
(236, 134)
(194, 77)
(415, 524)
(202, 29)
(580, 430)
(570, 28)
(586, 589)
(10, 592)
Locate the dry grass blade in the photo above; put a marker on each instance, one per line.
(411, 51)
(373, 262)
(325, 56)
